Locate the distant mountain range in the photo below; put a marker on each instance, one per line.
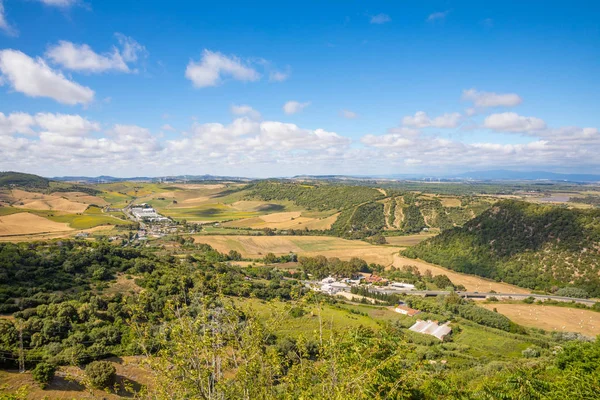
(533, 175)
(491, 175)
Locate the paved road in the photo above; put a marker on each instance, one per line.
(471, 295)
(475, 295)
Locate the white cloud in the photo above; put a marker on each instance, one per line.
(491, 99)
(82, 58)
(279, 76)
(348, 114)
(422, 120)
(34, 78)
(469, 112)
(16, 123)
(167, 127)
(59, 143)
(293, 107)
(68, 125)
(245, 110)
(213, 66)
(130, 49)
(4, 25)
(59, 3)
(437, 16)
(380, 19)
(513, 122)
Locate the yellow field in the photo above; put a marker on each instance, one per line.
(470, 282)
(551, 318)
(38, 201)
(450, 201)
(408, 240)
(284, 220)
(258, 246)
(27, 223)
(81, 197)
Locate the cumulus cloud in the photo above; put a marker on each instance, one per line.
(491, 99)
(513, 122)
(62, 142)
(167, 127)
(422, 120)
(34, 78)
(380, 19)
(82, 58)
(16, 123)
(4, 25)
(436, 16)
(293, 107)
(68, 125)
(348, 114)
(245, 110)
(214, 66)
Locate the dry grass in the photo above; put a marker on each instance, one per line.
(551, 318)
(408, 240)
(284, 220)
(192, 186)
(27, 223)
(258, 246)
(450, 201)
(55, 235)
(38, 201)
(81, 197)
(472, 283)
(68, 381)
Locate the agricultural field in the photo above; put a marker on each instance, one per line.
(258, 246)
(24, 223)
(38, 201)
(408, 240)
(472, 283)
(551, 318)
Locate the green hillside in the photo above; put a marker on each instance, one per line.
(534, 246)
(20, 179)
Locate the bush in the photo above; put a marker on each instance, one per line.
(572, 292)
(43, 374)
(101, 374)
(531, 352)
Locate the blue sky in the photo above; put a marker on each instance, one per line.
(130, 88)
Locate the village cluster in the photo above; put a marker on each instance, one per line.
(333, 286)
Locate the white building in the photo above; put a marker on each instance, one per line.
(431, 328)
(402, 285)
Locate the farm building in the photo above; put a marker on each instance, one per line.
(402, 285)
(431, 328)
(405, 310)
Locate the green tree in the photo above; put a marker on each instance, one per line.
(43, 374)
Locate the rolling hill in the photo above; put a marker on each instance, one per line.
(530, 245)
(20, 179)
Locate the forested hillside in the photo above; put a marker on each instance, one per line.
(315, 197)
(20, 179)
(368, 211)
(534, 246)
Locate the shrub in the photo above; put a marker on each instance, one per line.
(43, 374)
(531, 352)
(101, 374)
(572, 292)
